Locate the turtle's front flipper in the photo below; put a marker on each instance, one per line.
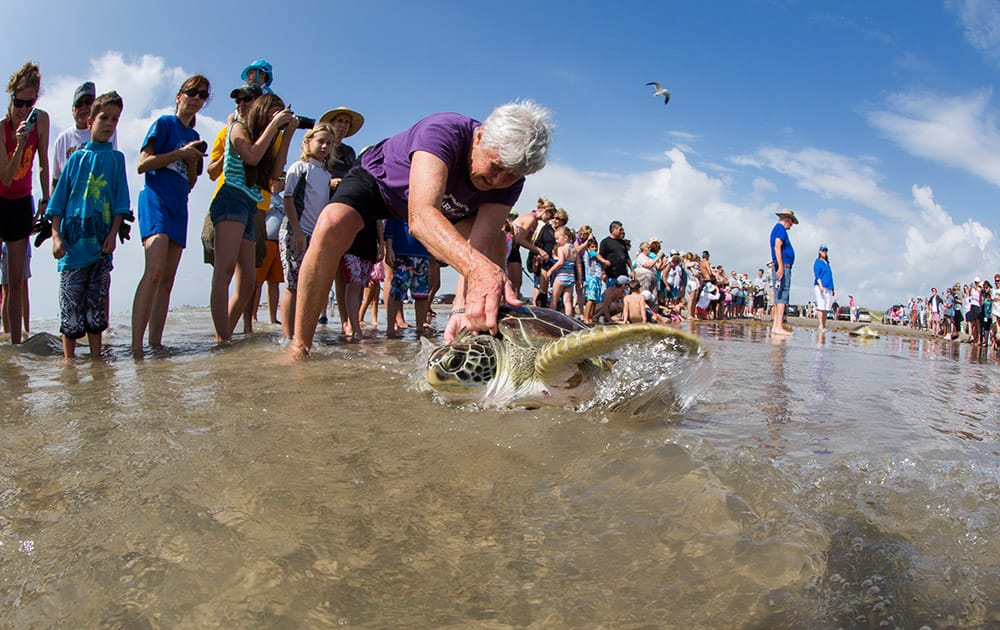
(569, 350)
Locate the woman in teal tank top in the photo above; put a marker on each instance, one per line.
(251, 160)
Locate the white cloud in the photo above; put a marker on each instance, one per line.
(877, 260)
(956, 131)
(981, 23)
(830, 175)
(938, 248)
(147, 86)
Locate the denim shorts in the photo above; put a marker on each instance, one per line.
(782, 288)
(232, 204)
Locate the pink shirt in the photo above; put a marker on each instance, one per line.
(21, 185)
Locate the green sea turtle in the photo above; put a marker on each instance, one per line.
(539, 357)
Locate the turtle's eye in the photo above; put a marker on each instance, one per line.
(453, 362)
(448, 359)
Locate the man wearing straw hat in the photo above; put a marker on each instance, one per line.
(782, 258)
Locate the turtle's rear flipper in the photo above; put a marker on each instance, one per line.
(568, 351)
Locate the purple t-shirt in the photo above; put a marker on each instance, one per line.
(447, 136)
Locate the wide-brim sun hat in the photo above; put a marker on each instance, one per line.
(261, 65)
(785, 212)
(357, 120)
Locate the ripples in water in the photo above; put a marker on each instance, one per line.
(813, 483)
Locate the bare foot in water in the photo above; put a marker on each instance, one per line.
(780, 332)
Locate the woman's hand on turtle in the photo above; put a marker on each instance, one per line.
(485, 287)
(455, 324)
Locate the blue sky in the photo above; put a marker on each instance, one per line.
(876, 122)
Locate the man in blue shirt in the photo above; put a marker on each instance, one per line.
(782, 258)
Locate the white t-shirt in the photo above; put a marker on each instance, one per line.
(69, 141)
(709, 294)
(316, 193)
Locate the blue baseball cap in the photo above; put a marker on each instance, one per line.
(261, 65)
(823, 248)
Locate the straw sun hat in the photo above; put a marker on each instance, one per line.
(786, 213)
(356, 119)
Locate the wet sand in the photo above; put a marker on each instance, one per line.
(842, 326)
(818, 482)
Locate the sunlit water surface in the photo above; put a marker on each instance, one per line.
(815, 483)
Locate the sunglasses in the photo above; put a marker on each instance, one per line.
(86, 102)
(20, 102)
(193, 92)
(245, 99)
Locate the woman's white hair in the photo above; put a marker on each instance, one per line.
(520, 132)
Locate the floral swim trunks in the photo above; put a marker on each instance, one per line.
(410, 277)
(356, 270)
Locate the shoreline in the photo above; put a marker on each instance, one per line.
(790, 322)
(842, 326)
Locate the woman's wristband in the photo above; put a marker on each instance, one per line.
(456, 311)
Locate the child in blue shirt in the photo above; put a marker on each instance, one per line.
(87, 207)
(410, 262)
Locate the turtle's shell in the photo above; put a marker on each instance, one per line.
(539, 357)
(533, 327)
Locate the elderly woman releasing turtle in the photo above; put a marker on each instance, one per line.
(454, 180)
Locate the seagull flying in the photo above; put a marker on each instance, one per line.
(661, 91)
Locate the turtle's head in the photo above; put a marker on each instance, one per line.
(465, 366)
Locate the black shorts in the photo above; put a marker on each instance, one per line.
(17, 216)
(360, 191)
(515, 255)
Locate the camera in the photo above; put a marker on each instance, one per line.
(306, 123)
(201, 146)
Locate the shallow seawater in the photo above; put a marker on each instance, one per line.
(814, 483)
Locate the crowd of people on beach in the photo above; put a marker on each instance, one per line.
(964, 311)
(377, 226)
